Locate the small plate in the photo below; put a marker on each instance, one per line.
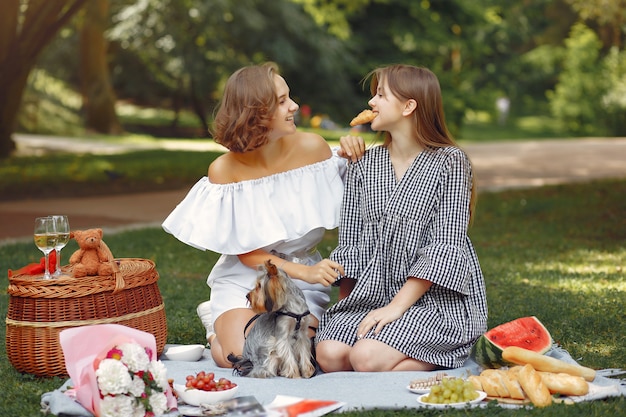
(189, 353)
(481, 396)
(418, 390)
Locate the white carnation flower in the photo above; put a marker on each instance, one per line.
(159, 372)
(139, 411)
(134, 356)
(137, 387)
(158, 403)
(113, 377)
(118, 406)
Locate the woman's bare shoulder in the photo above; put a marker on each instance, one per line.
(221, 170)
(310, 146)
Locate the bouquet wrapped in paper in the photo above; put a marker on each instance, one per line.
(115, 372)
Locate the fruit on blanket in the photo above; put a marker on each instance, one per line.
(450, 391)
(525, 332)
(206, 382)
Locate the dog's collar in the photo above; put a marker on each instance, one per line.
(298, 317)
(252, 320)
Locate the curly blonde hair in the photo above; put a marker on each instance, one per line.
(242, 121)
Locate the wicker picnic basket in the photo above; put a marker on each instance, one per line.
(40, 309)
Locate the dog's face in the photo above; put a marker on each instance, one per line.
(270, 293)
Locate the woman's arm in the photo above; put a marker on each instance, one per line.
(412, 290)
(324, 272)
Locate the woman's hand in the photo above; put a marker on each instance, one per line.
(352, 147)
(378, 318)
(324, 272)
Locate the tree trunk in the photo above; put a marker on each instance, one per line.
(98, 95)
(198, 108)
(20, 44)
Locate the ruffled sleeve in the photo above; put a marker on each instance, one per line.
(453, 272)
(240, 217)
(444, 261)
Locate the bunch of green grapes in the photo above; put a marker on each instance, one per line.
(451, 390)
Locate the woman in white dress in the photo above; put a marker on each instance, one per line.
(418, 299)
(271, 196)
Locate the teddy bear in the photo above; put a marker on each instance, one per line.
(93, 256)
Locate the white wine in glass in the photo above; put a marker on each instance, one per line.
(62, 228)
(45, 240)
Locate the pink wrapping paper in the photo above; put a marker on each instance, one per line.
(84, 347)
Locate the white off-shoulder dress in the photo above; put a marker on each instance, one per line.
(285, 213)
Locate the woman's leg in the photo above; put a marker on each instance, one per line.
(229, 334)
(229, 337)
(333, 356)
(370, 355)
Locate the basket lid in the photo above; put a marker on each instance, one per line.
(133, 272)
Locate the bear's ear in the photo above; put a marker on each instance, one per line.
(99, 231)
(76, 234)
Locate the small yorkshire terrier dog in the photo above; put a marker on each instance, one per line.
(278, 344)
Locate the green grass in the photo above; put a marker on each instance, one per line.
(63, 174)
(555, 252)
(480, 127)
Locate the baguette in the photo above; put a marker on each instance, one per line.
(564, 384)
(494, 379)
(475, 380)
(499, 383)
(489, 386)
(534, 387)
(513, 385)
(545, 363)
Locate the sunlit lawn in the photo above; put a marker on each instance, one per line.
(557, 253)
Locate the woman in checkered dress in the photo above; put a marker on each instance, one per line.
(413, 294)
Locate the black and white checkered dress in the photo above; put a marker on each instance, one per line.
(416, 227)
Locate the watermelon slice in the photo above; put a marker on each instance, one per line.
(525, 332)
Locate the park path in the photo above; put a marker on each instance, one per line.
(497, 165)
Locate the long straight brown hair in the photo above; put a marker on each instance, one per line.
(420, 84)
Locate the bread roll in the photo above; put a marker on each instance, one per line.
(496, 382)
(489, 386)
(365, 116)
(546, 363)
(564, 384)
(534, 387)
(475, 380)
(513, 385)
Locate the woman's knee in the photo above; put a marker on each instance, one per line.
(364, 359)
(331, 356)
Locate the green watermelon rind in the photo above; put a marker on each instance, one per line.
(488, 354)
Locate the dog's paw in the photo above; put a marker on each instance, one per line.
(241, 366)
(308, 372)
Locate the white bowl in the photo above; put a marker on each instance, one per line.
(190, 353)
(196, 397)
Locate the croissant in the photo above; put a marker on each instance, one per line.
(365, 116)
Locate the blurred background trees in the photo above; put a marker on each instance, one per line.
(559, 58)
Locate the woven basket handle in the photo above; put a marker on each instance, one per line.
(120, 284)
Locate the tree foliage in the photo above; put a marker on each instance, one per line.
(189, 47)
(178, 53)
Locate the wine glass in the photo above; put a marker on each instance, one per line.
(45, 240)
(62, 228)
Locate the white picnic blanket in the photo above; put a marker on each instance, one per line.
(358, 390)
